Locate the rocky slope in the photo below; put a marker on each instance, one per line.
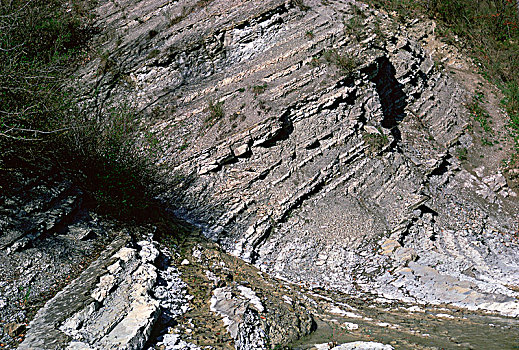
(318, 142)
(321, 144)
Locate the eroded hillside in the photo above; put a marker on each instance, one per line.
(322, 147)
(319, 143)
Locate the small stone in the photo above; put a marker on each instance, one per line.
(125, 254)
(184, 262)
(241, 150)
(389, 246)
(405, 255)
(361, 345)
(114, 268)
(371, 129)
(208, 168)
(350, 326)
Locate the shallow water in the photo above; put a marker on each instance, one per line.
(403, 329)
(341, 317)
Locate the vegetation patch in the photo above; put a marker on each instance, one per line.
(153, 53)
(479, 113)
(375, 141)
(345, 62)
(300, 4)
(462, 153)
(259, 89)
(41, 127)
(39, 41)
(216, 113)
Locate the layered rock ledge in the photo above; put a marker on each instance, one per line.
(318, 142)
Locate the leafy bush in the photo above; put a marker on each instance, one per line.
(104, 156)
(462, 153)
(216, 112)
(38, 43)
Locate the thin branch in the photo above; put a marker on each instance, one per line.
(12, 48)
(40, 131)
(18, 138)
(25, 111)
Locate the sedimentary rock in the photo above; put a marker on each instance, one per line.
(47, 238)
(317, 141)
(303, 138)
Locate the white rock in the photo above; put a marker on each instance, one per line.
(350, 326)
(363, 345)
(338, 311)
(254, 300)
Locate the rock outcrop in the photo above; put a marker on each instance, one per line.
(47, 238)
(188, 296)
(113, 304)
(318, 142)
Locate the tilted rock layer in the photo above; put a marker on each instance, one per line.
(315, 141)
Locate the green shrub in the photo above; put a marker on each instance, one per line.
(479, 113)
(39, 41)
(41, 127)
(511, 103)
(462, 153)
(259, 89)
(376, 142)
(345, 62)
(216, 113)
(301, 5)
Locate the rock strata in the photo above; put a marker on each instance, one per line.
(317, 143)
(243, 321)
(47, 238)
(303, 139)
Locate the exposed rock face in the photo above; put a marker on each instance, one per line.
(317, 143)
(244, 322)
(46, 239)
(131, 288)
(113, 304)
